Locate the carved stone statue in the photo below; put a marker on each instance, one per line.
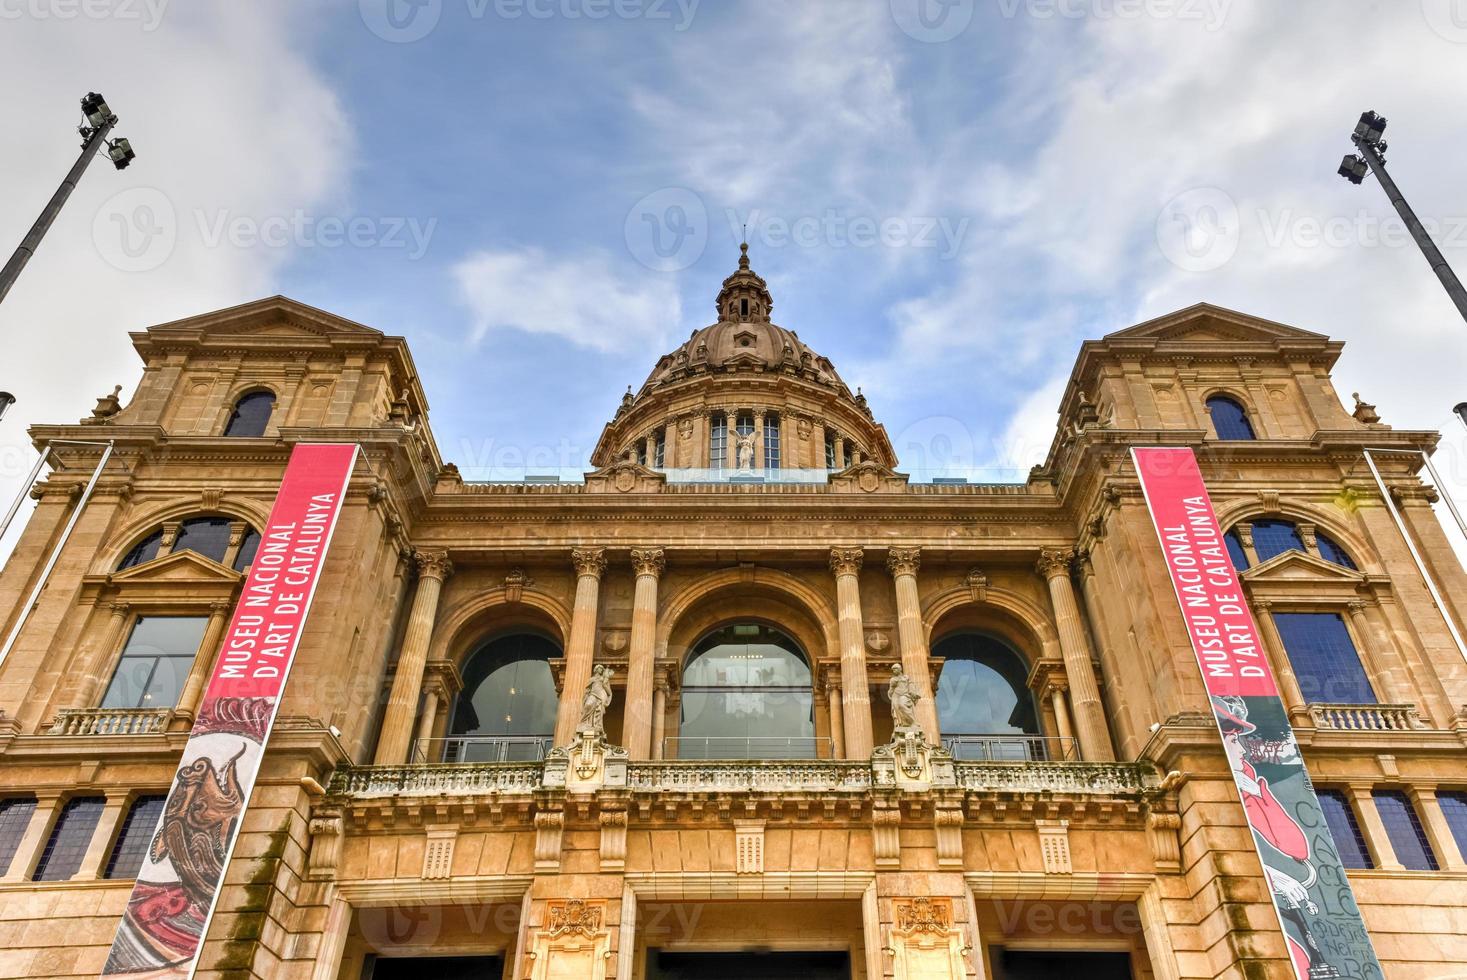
(595, 702)
(903, 699)
(744, 452)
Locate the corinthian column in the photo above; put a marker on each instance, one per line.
(581, 648)
(1084, 691)
(855, 688)
(402, 703)
(102, 657)
(903, 564)
(203, 666)
(640, 709)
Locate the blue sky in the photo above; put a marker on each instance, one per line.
(947, 197)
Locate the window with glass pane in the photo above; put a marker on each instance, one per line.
(506, 711)
(717, 442)
(747, 695)
(1229, 419)
(1324, 658)
(247, 550)
(771, 441)
(829, 449)
(983, 698)
(1273, 538)
(658, 460)
(1454, 808)
(69, 838)
(251, 414)
(1403, 827)
(1235, 551)
(745, 424)
(1330, 551)
(1339, 816)
(135, 836)
(159, 652)
(15, 817)
(208, 536)
(144, 551)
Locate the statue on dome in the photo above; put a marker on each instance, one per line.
(744, 452)
(903, 697)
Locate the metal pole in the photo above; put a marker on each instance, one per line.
(1436, 479)
(1433, 255)
(30, 602)
(53, 207)
(1436, 595)
(25, 488)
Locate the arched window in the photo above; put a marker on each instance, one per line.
(747, 695)
(1230, 419)
(984, 706)
(251, 414)
(208, 536)
(506, 710)
(1272, 538)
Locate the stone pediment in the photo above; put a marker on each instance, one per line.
(625, 476)
(181, 566)
(272, 317)
(1296, 566)
(868, 477)
(1206, 323)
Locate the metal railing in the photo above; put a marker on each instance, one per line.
(1367, 717)
(481, 748)
(110, 721)
(746, 747)
(1011, 748)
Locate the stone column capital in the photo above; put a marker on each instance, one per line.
(903, 561)
(1262, 606)
(1357, 606)
(589, 561)
(846, 561)
(432, 564)
(119, 608)
(219, 607)
(648, 561)
(1055, 562)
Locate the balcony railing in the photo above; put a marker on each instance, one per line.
(481, 748)
(110, 721)
(1367, 717)
(1010, 748)
(688, 776)
(1053, 777)
(746, 747)
(455, 779)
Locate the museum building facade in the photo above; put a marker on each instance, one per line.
(746, 699)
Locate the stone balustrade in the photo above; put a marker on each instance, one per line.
(110, 721)
(1367, 717)
(702, 776)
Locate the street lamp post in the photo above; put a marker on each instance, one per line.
(1461, 411)
(6, 400)
(94, 132)
(1367, 139)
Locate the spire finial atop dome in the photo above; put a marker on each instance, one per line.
(745, 295)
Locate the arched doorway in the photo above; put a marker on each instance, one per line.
(746, 694)
(506, 710)
(984, 706)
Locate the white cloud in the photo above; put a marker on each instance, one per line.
(225, 115)
(582, 299)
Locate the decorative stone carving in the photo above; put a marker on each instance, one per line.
(589, 761)
(594, 702)
(903, 697)
(924, 941)
(107, 406)
(625, 475)
(947, 823)
(924, 915)
(878, 642)
(572, 942)
(909, 761)
(744, 452)
(1054, 846)
(1364, 412)
(648, 561)
(868, 476)
(748, 847)
(904, 561)
(549, 829)
(325, 830)
(977, 584)
(613, 839)
(1054, 562)
(589, 561)
(846, 561)
(886, 839)
(1166, 846)
(432, 564)
(438, 853)
(615, 641)
(515, 583)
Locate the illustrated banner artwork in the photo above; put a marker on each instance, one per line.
(178, 885)
(1322, 926)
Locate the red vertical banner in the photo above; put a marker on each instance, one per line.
(178, 886)
(1321, 923)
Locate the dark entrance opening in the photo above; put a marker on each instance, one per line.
(748, 966)
(436, 967)
(1015, 964)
